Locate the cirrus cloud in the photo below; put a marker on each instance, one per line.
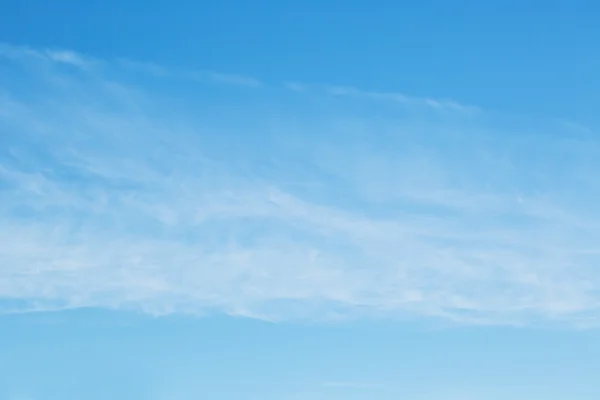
(160, 192)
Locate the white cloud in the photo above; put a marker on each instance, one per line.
(24, 54)
(230, 79)
(113, 195)
(348, 91)
(200, 76)
(67, 57)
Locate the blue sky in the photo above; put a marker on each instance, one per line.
(318, 200)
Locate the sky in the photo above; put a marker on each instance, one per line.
(299, 201)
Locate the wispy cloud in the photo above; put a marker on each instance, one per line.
(122, 192)
(22, 53)
(231, 79)
(67, 57)
(200, 76)
(348, 91)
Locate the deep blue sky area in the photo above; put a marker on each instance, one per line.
(503, 55)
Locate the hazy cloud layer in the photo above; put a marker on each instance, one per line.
(130, 185)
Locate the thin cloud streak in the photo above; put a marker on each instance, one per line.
(204, 76)
(111, 197)
(347, 91)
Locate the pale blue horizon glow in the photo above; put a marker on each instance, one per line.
(176, 232)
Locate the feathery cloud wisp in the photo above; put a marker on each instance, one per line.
(124, 192)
